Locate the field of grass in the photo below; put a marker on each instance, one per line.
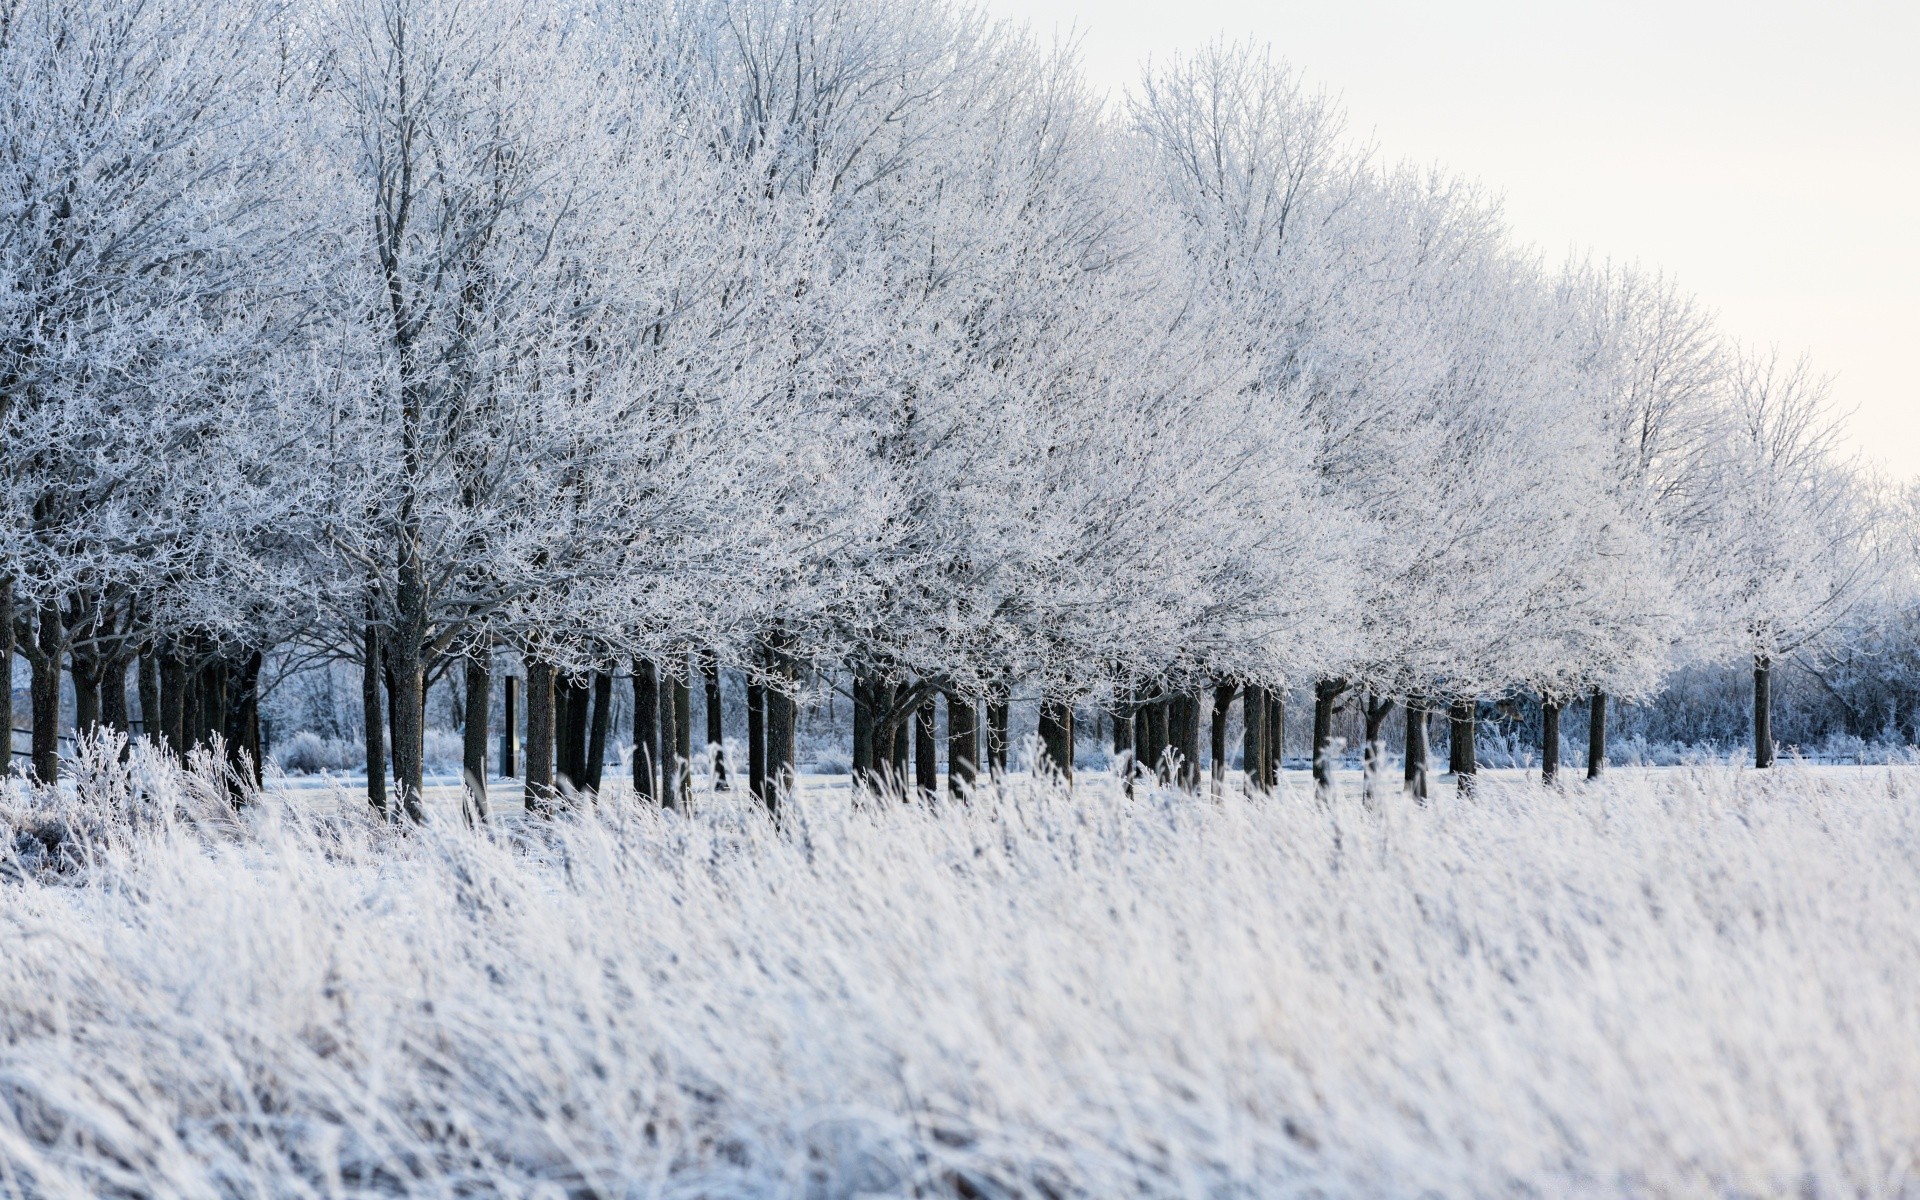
(1693, 982)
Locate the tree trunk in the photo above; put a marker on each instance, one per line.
(646, 731)
(1762, 711)
(510, 732)
(1276, 739)
(149, 679)
(782, 715)
(173, 717)
(716, 725)
(539, 785)
(6, 658)
(963, 744)
(113, 696)
(1374, 753)
(1183, 725)
(1156, 742)
(1596, 734)
(862, 768)
(757, 743)
(1253, 737)
(1056, 739)
(1464, 715)
(574, 698)
(1223, 694)
(473, 739)
(1123, 750)
(1416, 764)
(598, 728)
(1549, 740)
(1325, 694)
(408, 701)
(926, 763)
(998, 728)
(899, 742)
(45, 695)
(85, 674)
(240, 717)
(670, 769)
(683, 741)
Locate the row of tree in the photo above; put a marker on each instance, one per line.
(832, 336)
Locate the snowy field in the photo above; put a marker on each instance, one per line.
(1687, 982)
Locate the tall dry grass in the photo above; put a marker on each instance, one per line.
(1705, 982)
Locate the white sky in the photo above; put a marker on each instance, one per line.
(1765, 153)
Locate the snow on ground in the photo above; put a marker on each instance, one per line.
(1691, 981)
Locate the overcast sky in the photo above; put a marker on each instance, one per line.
(1765, 153)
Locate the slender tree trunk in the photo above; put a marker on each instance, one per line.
(646, 731)
(1253, 737)
(1157, 742)
(683, 741)
(1374, 753)
(540, 794)
(1549, 740)
(241, 718)
(1123, 750)
(574, 697)
(670, 770)
(45, 697)
(782, 715)
(372, 710)
(149, 681)
(1466, 764)
(173, 717)
(963, 744)
(1056, 739)
(1223, 694)
(926, 763)
(474, 731)
(899, 742)
(1596, 733)
(1325, 694)
(85, 674)
(598, 728)
(1276, 739)
(757, 743)
(999, 728)
(864, 760)
(409, 733)
(716, 724)
(113, 696)
(1762, 711)
(510, 733)
(1416, 764)
(1183, 713)
(6, 659)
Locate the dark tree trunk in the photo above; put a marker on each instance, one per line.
(926, 763)
(1762, 711)
(85, 673)
(45, 696)
(240, 717)
(1596, 733)
(757, 743)
(671, 771)
(1374, 753)
(598, 728)
(864, 759)
(1416, 764)
(1549, 740)
(782, 716)
(1056, 739)
(1326, 693)
(540, 792)
(173, 716)
(716, 724)
(1217, 745)
(683, 741)
(1156, 742)
(963, 744)
(1253, 737)
(6, 658)
(898, 742)
(1123, 750)
(510, 732)
(646, 731)
(1183, 725)
(574, 698)
(408, 702)
(149, 680)
(473, 732)
(999, 729)
(1276, 738)
(1466, 765)
(113, 696)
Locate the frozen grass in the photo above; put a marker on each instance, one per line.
(1701, 982)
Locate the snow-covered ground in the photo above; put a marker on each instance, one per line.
(1690, 981)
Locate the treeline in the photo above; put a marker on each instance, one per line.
(836, 339)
